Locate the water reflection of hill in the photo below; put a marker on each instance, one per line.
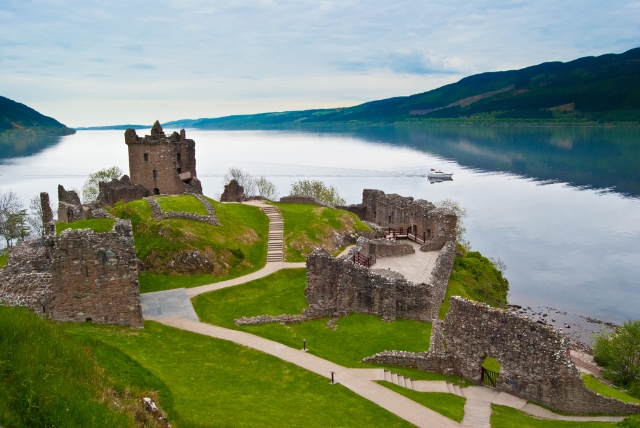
(25, 146)
(599, 158)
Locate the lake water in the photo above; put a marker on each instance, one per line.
(561, 206)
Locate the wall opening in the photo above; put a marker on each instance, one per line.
(146, 157)
(490, 370)
(156, 191)
(415, 230)
(179, 170)
(86, 271)
(428, 233)
(178, 157)
(88, 320)
(155, 174)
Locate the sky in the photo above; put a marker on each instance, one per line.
(91, 63)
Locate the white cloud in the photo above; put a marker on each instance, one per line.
(232, 56)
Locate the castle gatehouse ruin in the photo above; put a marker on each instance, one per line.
(166, 165)
(534, 358)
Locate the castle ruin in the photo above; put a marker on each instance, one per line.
(166, 165)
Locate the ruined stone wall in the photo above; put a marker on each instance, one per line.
(26, 278)
(158, 214)
(376, 248)
(94, 276)
(233, 192)
(343, 287)
(398, 211)
(168, 156)
(534, 359)
(120, 190)
(303, 199)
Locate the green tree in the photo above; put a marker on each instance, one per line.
(91, 187)
(317, 189)
(266, 188)
(618, 352)
(13, 218)
(454, 207)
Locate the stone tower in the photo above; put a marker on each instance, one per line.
(166, 165)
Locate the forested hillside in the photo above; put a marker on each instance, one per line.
(590, 90)
(17, 119)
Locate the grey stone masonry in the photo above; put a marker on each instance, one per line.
(398, 211)
(78, 276)
(534, 360)
(122, 190)
(158, 214)
(233, 192)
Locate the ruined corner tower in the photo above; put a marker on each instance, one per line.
(166, 165)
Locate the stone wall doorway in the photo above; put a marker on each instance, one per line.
(490, 370)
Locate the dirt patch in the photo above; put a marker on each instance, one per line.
(248, 236)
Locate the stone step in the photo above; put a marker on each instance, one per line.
(458, 390)
(450, 388)
(387, 375)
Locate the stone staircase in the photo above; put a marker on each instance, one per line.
(477, 412)
(276, 229)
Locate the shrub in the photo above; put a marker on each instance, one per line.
(619, 353)
(91, 187)
(317, 189)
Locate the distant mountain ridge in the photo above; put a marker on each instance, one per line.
(588, 91)
(17, 119)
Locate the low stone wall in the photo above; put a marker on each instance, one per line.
(441, 273)
(158, 214)
(303, 199)
(268, 319)
(358, 209)
(376, 248)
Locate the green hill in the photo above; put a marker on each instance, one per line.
(17, 119)
(590, 90)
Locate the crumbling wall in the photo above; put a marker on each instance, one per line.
(534, 359)
(120, 190)
(398, 211)
(70, 208)
(94, 277)
(375, 248)
(163, 164)
(26, 278)
(233, 192)
(78, 276)
(341, 286)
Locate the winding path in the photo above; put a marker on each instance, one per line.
(173, 308)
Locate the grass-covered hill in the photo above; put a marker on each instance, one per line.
(590, 90)
(17, 119)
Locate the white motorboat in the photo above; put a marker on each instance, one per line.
(439, 174)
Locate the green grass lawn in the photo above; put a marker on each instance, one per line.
(449, 405)
(47, 379)
(4, 259)
(604, 389)
(186, 203)
(95, 224)
(475, 278)
(357, 336)
(307, 226)
(236, 248)
(507, 417)
(212, 382)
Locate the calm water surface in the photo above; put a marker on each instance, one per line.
(560, 206)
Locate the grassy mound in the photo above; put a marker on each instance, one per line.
(604, 389)
(236, 248)
(4, 259)
(476, 278)
(96, 224)
(185, 203)
(307, 226)
(356, 337)
(218, 383)
(449, 405)
(48, 378)
(506, 417)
